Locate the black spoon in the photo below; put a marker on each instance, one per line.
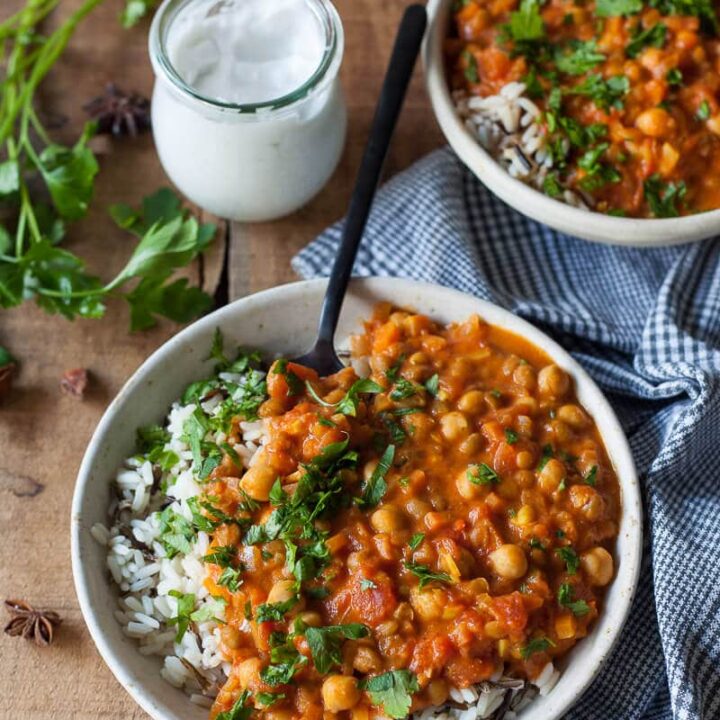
(322, 357)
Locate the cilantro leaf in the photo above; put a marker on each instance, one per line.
(536, 645)
(325, 643)
(569, 556)
(348, 405)
(392, 690)
(526, 24)
(376, 486)
(663, 202)
(654, 36)
(274, 612)
(565, 598)
(432, 385)
(242, 709)
(426, 575)
(578, 57)
(482, 474)
(617, 8)
(604, 92)
(511, 437)
(416, 541)
(591, 477)
(403, 389)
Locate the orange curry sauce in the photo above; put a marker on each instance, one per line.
(643, 77)
(499, 494)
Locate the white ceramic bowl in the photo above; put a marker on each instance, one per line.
(282, 320)
(593, 226)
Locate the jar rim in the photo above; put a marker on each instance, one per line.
(332, 57)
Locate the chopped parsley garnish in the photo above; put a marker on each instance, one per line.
(416, 541)
(482, 474)
(230, 578)
(703, 112)
(242, 709)
(221, 555)
(392, 690)
(552, 186)
(617, 8)
(376, 486)
(578, 57)
(150, 438)
(703, 9)
(526, 24)
(471, 68)
(349, 403)
(267, 699)
(274, 612)
(535, 544)
(674, 77)
(293, 382)
(598, 174)
(325, 643)
(366, 584)
(403, 389)
(432, 385)
(176, 533)
(606, 93)
(654, 36)
(426, 575)
(663, 202)
(511, 437)
(187, 614)
(591, 477)
(283, 671)
(565, 598)
(536, 645)
(547, 454)
(393, 372)
(570, 558)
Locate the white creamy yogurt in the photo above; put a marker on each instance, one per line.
(248, 115)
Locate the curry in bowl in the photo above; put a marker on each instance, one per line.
(423, 533)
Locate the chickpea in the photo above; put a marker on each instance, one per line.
(655, 122)
(524, 460)
(419, 358)
(553, 382)
(525, 478)
(258, 481)
(551, 476)
(281, 591)
(417, 508)
(248, 672)
(367, 660)
(509, 561)
(467, 489)
(560, 430)
(524, 376)
(454, 426)
(438, 692)
(388, 518)
(574, 416)
(471, 444)
(507, 489)
(428, 603)
(525, 515)
(588, 501)
(598, 565)
(472, 402)
(340, 692)
(311, 618)
(231, 636)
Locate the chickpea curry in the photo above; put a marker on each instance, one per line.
(628, 91)
(447, 517)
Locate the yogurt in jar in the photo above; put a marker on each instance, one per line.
(248, 115)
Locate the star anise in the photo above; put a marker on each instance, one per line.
(32, 624)
(118, 113)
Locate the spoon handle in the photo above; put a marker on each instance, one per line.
(397, 79)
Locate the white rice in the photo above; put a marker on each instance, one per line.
(139, 566)
(506, 125)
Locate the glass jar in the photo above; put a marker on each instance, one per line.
(248, 162)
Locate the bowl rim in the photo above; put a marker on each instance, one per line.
(590, 225)
(631, 525)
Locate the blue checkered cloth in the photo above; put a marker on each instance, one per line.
(646, 325)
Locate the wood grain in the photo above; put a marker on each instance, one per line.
(43, 433)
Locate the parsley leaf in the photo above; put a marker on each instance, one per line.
(536, 645)
(578, 57)
(482, 474)
(325, 643)
(186, 612)
(526, 24)
(591, 477)
(403, 389)
(294, 383)
(565, 598)
(416, 541)
(605, 93)
(654, 36)
(426, 575)
(703, 111)
(663, 203)
(471, 67)
(432, 385)
(348, 405)
(376, 486)
(241, 709)
(617, 8)
(393, 690)
(274, 612)
(511, 437)
(176, 533)
(570, 558)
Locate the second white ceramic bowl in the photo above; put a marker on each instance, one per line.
(597, 227)
(282, 321)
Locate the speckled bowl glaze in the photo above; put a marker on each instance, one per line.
(282, 320)
(596, 227)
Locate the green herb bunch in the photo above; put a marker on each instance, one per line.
(45, 185)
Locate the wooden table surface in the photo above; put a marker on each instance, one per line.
(43, 433)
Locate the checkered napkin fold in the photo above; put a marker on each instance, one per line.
(646, 325)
